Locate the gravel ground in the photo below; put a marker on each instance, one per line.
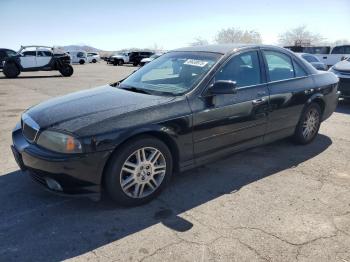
(279, 202)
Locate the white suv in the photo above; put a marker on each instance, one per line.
(119, 58)
(93, 57)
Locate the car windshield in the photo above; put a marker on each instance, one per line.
(10, 53)
(173, 73)
(310, 58)
(154, 56)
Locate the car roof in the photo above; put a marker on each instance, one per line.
(223, 48)
(300, 54)
(40, 46)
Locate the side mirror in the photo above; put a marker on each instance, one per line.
(221, 87)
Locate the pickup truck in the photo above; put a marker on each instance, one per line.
(326, 54)
(129, 58)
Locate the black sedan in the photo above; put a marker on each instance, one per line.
(188, 107)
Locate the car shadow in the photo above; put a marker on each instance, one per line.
(343, 107)
(28, 77)
(36, 225)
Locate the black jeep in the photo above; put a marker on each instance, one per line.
(136, 57)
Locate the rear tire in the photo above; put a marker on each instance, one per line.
(309, 124)
(135, 63)
(66, 70)
(138, 171)
(81, 62)
(11, 70)
(94, 61)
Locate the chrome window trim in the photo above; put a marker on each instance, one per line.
(287, 79)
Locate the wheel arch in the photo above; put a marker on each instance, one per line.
(15, 61)
(166, 138)
(318, 99)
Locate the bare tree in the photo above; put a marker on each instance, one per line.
(300, 36)
(341, 42)
(199, 41)
(235, 35)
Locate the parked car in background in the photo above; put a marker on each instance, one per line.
(78, 57)
(136, 57)
(119, 58)
(149, 59)
(37, 58)
(342, 70)
(129, 137)
(313, 60)
(5, 53)
(93, 57)
(326, 54)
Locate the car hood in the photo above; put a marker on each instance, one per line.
(342, 66)
(92, 105)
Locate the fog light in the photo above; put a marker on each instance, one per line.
(53, 184)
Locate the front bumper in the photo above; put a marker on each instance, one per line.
(74, 175)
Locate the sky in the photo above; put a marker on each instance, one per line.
(113, 25)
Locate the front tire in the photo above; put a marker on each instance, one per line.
(94, 61)
(138, 171)
(81, 62)
(309, 124)
(66, 70)
(11, 70)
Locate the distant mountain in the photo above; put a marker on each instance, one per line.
(80, 48)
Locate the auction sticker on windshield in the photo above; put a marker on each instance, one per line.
(194, 62)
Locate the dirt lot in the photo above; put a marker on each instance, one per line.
(280, 202)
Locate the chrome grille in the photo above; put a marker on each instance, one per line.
(30, 128)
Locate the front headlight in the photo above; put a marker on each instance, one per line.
(59, 142)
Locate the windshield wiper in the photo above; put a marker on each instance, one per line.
(135, 89)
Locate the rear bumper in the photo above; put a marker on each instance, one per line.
(331, 102)
(60, 173)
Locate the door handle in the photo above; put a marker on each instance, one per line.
(259, 101)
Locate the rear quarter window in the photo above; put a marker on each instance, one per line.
(298, 70)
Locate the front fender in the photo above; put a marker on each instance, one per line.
(113, 140)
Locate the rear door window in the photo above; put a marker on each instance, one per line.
(347, 49)
(279, 65)
(338, 50)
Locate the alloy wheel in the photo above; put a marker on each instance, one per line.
(142, 172)
(311, 123)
